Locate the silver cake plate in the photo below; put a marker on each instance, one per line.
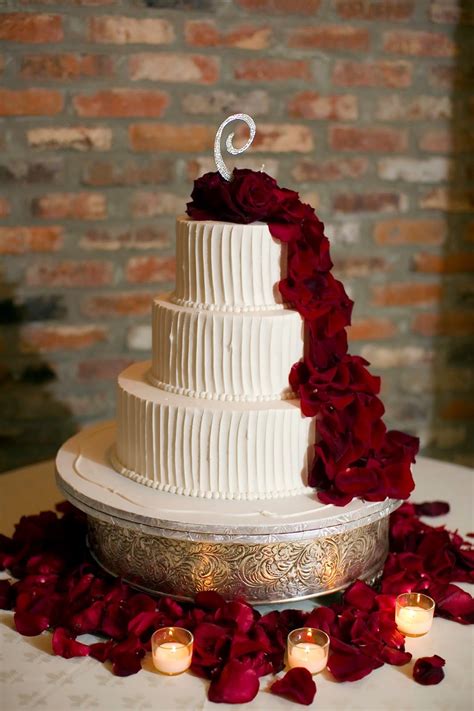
(265, 551)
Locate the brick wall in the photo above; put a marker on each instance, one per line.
(108, 110)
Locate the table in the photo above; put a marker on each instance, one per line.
(32, 678)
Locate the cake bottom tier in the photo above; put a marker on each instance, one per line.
(202, 448)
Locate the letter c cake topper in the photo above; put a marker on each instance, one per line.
(221, 166)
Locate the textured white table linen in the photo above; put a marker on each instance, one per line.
(32, 678)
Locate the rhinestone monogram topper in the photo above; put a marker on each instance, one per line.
(221, 166)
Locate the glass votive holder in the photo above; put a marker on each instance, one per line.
(172, 650)
(414, 614)
(308, 648)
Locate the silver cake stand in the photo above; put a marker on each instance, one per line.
(265, 551)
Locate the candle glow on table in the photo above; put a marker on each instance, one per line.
(308, 648)
(172, 650)
(414, 614)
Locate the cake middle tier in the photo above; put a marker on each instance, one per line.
(218, 355)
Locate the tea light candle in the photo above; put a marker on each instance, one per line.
(414, 614)
(308, 648)
(172, 650)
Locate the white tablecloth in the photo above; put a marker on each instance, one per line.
(32, 678)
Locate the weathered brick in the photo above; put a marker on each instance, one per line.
(45, 339)
(451, 263)
(66, 66)
(398, 107)
(266, 70)
(128, 172)
(406, 294)
(368, 139)
(396, 357)
(419, 44)
(139, 337)
(101, 368)
(280, 138)
(205, 33)
(358, 266)
(127, 303)
(70, 206)
(79, 138)
(329, 169)
(30, 27)
(449, 323)
(115, 238)
(4, 207)
(340, 37)
(413, 170)
(254, 103)
(121, 103)
(23, 240)
(168, 67)
(448, 200)
(446, 141)
(451, 76)
(400, 232)
(297, 7)
(369, 329)
(458, 410)
(310, 105)
(70, 273)
(369, 202)
(451, 12)
(375, 9)
(198, 166)
(394, 75)
(168, 137)
(141, 270)
(18, 171)
(343, 233)
(30, 102)
(117, 29)
(148, 204)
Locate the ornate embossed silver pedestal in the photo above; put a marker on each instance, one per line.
(271, 551)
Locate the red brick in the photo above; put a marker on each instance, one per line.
(453, 323)
(330, 169)
(448, 200)
(398, 107)
(168, 67)
(23, 172)
(70, 274)
(102, 368)
(374, 139)
(4, 207)
(359, 266)
(205, 33)
(419, 44)
(446, 141)
(30, 102)
(272, 69)
(339, 37)
(168, 137)
(406, 294)
(23, 240)
(451, 12)
(451, 76)
(116, 29)
(70, 206)
(458, 410)
(198, 166)
(60, 338)
(65, 66)
(310, 105)
(115, 238)
(118, 304)
(453, 263)
(30, 27)
(142, 270)
(100, 173)
(369, 202)
(297, 7)
(146, 204)
(394, 75)
(79, 138)
(375, 9)
(282, 138)
(121, 103)
(369, 329)
(399, 232)
(219, 102)
(469, 232)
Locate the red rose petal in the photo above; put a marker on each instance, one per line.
(360, 595)
(65, 645)
(236, 684)
(101, 650)
(126, 657)
(29, 624)
(428, 670)
(432, 508)
(297, 685)
(209, 600)
(348, 663)
(7, 595)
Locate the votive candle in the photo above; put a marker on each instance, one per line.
(414, 614)
(172, 650)
(308, 647)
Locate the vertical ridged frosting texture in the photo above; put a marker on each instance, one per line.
(227, 266)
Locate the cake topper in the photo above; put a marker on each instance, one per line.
(221, 166)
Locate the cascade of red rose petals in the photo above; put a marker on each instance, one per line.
(355, 455)
(59, 587)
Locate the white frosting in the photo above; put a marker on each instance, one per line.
(224, 356)
(210, 449)
(221, 265)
